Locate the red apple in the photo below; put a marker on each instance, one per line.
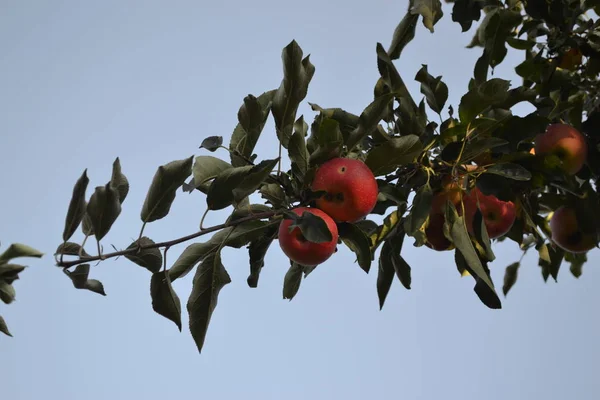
(565, 142)
(435, 233)
(499, 216)
(351, 189)
(298, 248)
(567, 233)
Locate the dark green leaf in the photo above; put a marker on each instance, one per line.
(431, 10)
(297, 149)
(164, 299)
(76, 206)
(391, 76)
(297, 74)
(329, 141)
(369, 119)
(151, 259)
(385, 275)
(71, 249)
(274, 194)
(80, 280)
(17, 250)
(292, 280)
(206, 168)
(257, 250)
(10, 270)
(249, 210)
(234, 184)
(167, 179)
(550, 260)
(494, 91)
(500, 24)
(403, 34)
(511, 171)
(486, 294)
(358, 242)
(7, 292)
(211, 276)
(465, 12)
(4, 327)
(577, 261)
(435, 91)
(252, 119)
(482, 236)
(401, 267)
(212, 143)
(86, 225)
(399, 151)
(481, 145)
(510, 277)
(119, 181)
(520, 44)
(313, 228)
(104, 208)
(420, 209)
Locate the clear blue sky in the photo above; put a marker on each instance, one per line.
(83, 82)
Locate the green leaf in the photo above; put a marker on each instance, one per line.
(211, 276)
(480, 145)
(550, 260)
(4, 327)
(86, 225)
(297, 149)
(7, 292)
(297, 74)
(577, 261)
(274, 194)
(167, 179)
(151, 259)
(104, 208)
(465, 12)
(510, 277)
(257, 250)
(80, 280)
(234, 184)
(76, 206)
(206, 168)
(501, 23)
(511, 171)
(369, 119)
(494, 91)
(431, 10)
(329, 141)
(391, 76)
(248, 211)
(17, 250)
(403, 34)
(10, 270)
(385, 274)
(212, 143)
(164, 299)
(401, 267)
(435, 91)
(71, 249)
(520, 44)
(358, 242)
(421, 207)
(487, 295)
(292, 280)
(252, 117)
(119, 181)
(482, 236)
(397, 152)
(313, 228)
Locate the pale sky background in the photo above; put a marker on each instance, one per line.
(82, 82)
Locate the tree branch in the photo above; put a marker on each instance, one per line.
(82, 260)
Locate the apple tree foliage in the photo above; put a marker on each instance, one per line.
(409, 141)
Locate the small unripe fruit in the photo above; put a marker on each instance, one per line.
(499, 216)
(567, 233)
(350, 186)
(565, 142)
(298, 248)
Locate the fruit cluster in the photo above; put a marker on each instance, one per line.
(350, 194)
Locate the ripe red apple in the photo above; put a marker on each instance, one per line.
(435, 233)
(499, 216)
(567, 233)
(565, 142)
(298, 248)
(450, 192)
(351, 189)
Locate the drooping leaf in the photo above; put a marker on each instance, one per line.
(257, 249)
(392, 78)
(298, 152)
(369, 119)
(403, 34)
(401, 267)
(329, 141)
(476, 100)
(390, 223)
(550, 259)
(385, 275)
(71, 249)
(481, 234)
(80, 280)
(577, 261)
(212, 143)
(465, 12)
(164, 299)
(7, 292)
(252, 117)
(234, 184)
(4, 327)
(151, 259)
(500, 24)
(510, 170)
(103, 209)
(205, 169)
(399, 151)
(435, 91)
(292, 281)
(510, 277)
(313, 228)
(17, 250)
(86, 225)
(9, 271)
(274, 194)
(76, 206)
(487, 295)
(430, 10)
(421, 206)
(161, 194)
(358, 242)
(211, 276)
(119, 181)
(297, 74)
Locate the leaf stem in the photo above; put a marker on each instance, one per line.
(266, 214)
(202, 219)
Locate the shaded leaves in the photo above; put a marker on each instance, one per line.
(164, 299)
(77, 206)
(80, 279)
(151, 259)
(103, 209)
